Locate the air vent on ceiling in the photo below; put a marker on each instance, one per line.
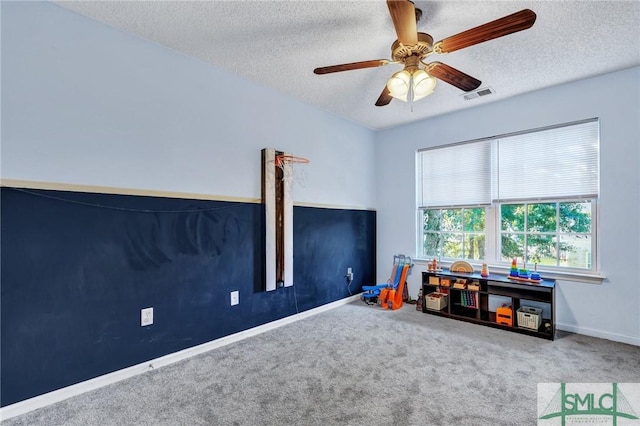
(485, 91)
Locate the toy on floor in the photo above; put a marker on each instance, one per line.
(371, 293)
(389, 295)
(420, 301)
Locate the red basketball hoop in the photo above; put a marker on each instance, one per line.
(283, 159)
(285, 162)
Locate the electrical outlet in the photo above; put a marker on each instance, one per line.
(235, 298)
(146, 317)
(350, 274)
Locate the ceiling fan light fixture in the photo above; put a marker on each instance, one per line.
(417, 85)
(399, 85)
(423, 84)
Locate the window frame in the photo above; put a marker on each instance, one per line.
(493, 225)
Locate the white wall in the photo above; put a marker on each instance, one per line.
(83, 103)
(608, 310)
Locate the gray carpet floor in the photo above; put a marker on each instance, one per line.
(355, 365)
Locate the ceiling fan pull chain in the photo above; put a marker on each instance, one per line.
(410, 94)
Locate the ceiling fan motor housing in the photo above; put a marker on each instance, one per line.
(423, 48)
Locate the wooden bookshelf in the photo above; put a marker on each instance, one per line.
(474, 303)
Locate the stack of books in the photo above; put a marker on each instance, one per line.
(469, 299)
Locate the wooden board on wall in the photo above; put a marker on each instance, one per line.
(278, 202)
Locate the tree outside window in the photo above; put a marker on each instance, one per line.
(554, 234)
(454, 233)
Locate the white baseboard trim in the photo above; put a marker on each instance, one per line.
(599, 334)
(53, 397)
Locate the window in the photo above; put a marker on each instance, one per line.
(454, 233)
(531, 196)
(549, 234)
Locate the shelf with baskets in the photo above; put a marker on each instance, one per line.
(495, 301)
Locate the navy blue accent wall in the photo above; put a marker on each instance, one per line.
(318, 257)
(77, 268)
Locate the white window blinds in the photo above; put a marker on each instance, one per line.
(458, 175)
(561, 162)
(558, 162)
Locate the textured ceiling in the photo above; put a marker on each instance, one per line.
(278, 44)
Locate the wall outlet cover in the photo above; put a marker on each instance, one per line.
(146, 317)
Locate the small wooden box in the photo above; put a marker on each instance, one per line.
(436, 301)
(475, 286)
(460, 284)
(434, 280)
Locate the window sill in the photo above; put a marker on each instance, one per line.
(582, 277)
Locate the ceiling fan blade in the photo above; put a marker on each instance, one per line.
(385, 97)
(500, 27)
(403, 15)
(351, 66)
(453, 76)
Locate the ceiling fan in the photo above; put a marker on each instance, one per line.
(416, 80)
